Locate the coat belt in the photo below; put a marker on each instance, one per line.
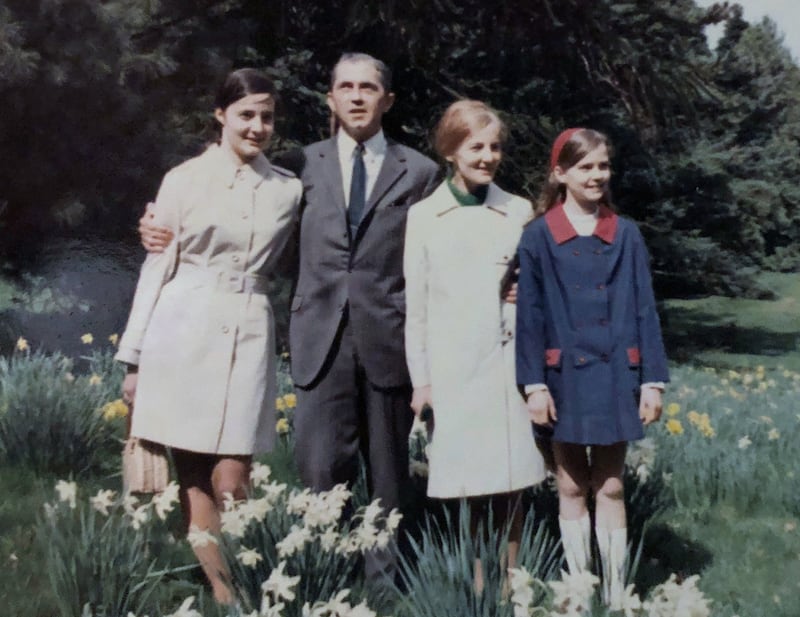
(223, 280)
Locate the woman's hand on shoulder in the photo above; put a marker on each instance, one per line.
(420, 398)
(154, 238)
(542, 408)
(650, 405)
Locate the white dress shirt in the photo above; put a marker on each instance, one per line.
(374, 153)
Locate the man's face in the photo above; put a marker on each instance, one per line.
(358, 99)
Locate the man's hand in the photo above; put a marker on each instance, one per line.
(154, 238)
(650, 405)
(511, 295)
(541, 408)
(420, 398)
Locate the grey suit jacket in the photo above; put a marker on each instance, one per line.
(363, 274)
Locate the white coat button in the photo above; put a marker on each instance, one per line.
(235, 259)
(245, 216)
(225, 329)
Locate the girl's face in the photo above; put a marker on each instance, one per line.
(477, 158)
(247, 125)
(587, 180)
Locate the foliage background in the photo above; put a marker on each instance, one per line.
(100, 98)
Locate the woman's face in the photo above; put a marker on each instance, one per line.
(247, 125)
(476, 160)
(587, 180)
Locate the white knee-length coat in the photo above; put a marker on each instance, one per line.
(460, 341)
(201, 328)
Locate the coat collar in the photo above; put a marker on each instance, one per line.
(496, 200)
(254, 172)
(562, 230)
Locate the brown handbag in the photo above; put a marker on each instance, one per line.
(145, 468)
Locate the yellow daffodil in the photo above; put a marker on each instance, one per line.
(87, 339)
(279, 404)
(674, 427)
(673, 409)
(95, 380)
(114, 339)
(773, 434)
(115, 409)
(290, 400)
(282, 426)
(22, 343)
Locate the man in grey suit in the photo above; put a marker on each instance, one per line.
(348, 311)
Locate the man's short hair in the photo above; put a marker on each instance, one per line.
(384, 72)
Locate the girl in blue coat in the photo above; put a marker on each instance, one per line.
(590, 358)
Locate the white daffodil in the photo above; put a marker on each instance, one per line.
(129, 503)
(165, 502)
(329, 538)
(521, 583)
(140, 516)
(294, 541)
(674, 598)
(233, 523)
(259, 474)
(268, 609)
(255, 509)
(280, 585)
(744, 442)
(103, 501)
(373, 511)
(67, 491)
(393, 520)
(298, 502)
(574, 591)
(249, 557)
(186, 609)
(200, 538)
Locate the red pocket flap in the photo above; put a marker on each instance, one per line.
(552, 357)
(634, 357)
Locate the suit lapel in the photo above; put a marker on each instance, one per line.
(393, 168)
(332, 174)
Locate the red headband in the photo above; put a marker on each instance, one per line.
(558, 145)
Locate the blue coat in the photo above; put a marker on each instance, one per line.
(587, 325)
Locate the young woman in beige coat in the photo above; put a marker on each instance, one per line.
(460, 245)
(199, 343)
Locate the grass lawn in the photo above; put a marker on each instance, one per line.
(722, 474)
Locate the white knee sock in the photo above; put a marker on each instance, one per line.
(576, 538)
(613, 547)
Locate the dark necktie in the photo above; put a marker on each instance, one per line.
(358, 190)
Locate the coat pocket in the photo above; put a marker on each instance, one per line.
(552, 358)
(634, 357)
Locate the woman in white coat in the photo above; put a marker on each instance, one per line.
(199, 344)
(459, 251)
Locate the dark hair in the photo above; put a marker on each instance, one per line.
(242, 82)
(459, 120)
(384, 72)
(580, 143)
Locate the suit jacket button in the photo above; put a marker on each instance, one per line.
(225, 329)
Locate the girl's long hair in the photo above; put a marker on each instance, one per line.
(580, 143)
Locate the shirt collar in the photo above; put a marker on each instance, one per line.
(562, 230)
(374, 146)
(254, 171)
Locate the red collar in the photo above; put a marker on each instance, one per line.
(562, 230)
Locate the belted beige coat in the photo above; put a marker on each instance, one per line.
(459, 337)
(201, 328)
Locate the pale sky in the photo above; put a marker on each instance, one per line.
(785, 13)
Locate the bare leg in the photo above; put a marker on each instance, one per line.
(203, 480)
